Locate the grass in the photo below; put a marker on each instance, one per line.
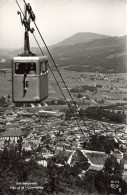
(72, 79)
(96, 158)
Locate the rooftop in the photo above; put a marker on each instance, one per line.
(13, 133)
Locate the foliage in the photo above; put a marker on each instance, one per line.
(61, 102)
(83, 88)
(102, 143)
(103, 182)
(101, 113)
(14, 169)
(54, 179)
(111, 165)
(68, 114)
(3, 102)
(88, 182)
(78, 156)
(79, 95)
(80, 161)
(61, 157)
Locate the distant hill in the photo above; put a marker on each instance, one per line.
(84, 52)
(102, 55)
(81, 37)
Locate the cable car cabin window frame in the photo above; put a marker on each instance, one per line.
(43, 67)
(29, 71)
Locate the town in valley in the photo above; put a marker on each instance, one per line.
(82, 135)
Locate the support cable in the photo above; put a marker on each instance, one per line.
(62, 79)
(58, 72)
(69, 104)
(63, 82)
(38, 44)
(54, 77)
(61, 91)
(19, 7)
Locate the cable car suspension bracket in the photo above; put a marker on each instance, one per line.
(26, 22)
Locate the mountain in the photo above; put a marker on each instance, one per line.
(102, 55)
(84, 52)
(81, 37)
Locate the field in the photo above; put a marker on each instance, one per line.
(112, 90)
(113, 85)
(5, 85)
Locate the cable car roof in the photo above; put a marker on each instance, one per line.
(30, 58)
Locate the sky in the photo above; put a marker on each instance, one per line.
(60, 19)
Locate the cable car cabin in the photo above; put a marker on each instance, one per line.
(29, 79)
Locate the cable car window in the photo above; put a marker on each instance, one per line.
(25, 68)
(43, 67)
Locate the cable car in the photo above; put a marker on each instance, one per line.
(29, 72)
(30, 79)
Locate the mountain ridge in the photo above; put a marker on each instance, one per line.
(79, 38)
(85, 52)
(102, 55)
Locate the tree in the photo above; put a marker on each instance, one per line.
(108, 145)
(79, 95)
(104, 183)
(81, 112)
(61, 157)
(3, 101)
(88, 182)
(20, 147)
(107, 149)
(68, 114)
(39, 148)
(96, 144)
(101, 181)
(111, 165)
(81, 162)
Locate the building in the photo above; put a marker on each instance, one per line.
(42, 162)
(12, 135)
(26, 146)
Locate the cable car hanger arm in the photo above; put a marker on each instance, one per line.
(32, 20)
(26, 23)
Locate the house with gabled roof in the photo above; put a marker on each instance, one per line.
(12, 135)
